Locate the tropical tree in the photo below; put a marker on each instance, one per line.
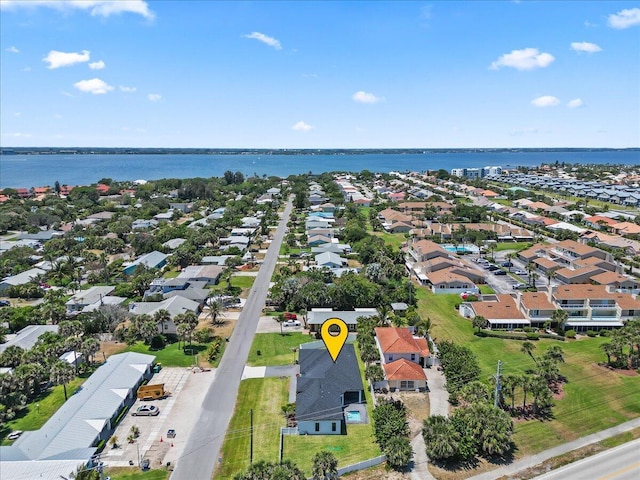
(61, 373)
(474, 392)
(374, 373)
(161, 317)
(398, 452)
(526, 382)
(509, 384)
(280, 320)
(70, 328)
(479, 322)
(550, 274)
(148, 330)
(90, 347)
(216, 309)
(190, 319)
(423, 326)
(325, 466)
(440, 437)
(560, 317)
(510, 256)
(555, 353)
(527, 348)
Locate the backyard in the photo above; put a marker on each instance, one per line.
(172, 355)
(275, 349)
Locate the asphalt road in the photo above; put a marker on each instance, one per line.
(619, 463)
(202, 450)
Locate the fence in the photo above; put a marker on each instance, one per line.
(372, 462)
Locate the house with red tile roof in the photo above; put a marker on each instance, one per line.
(403, 358)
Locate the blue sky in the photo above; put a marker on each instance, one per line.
(332, 74)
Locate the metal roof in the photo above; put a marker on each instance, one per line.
(28, 336)
(70, 433)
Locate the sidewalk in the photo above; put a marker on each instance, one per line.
(538, 458)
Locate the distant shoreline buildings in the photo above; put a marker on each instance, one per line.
(475, 173)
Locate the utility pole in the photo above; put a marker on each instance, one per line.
(251, 445)
(496, 395)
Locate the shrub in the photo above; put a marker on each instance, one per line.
(528, 329)
(215, 348)
(592, 333)
(532, 336)
(605, 333)
(158, 342)
(570, 334)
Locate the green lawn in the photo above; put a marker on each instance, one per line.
(265, 396)
(171, 355)
(486, 290)
(242, 281)
(517, 246)
(275, 349)
(126, 473)
(595, 398)
(32, 417)
(395, 240)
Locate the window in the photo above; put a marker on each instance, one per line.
(333, 426)
(317, 426)
(413, 356)
(391, 358)
(408, 384)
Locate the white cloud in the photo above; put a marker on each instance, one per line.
(629, 17)
(103, 8)
(588, 24)
(57, 59)
(302, 127)
(94, 86)
(99, 65)
(12, 49)
(366, 97)
(545, 101)
(575, 103)
(261, 37)
(154, 97)
(585, 47)
(525, 59)
(127, 89)
(18, 135)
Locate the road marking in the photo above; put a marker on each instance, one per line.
(618, 472)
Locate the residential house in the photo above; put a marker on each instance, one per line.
(317, 316)
(327, 391)
(396, 343)
(578, 275)
(330, 260)
(142, 223)
(208, 274)
(501, 311)
(153, 259)
(84, 298)
(626, 228)
(27, 337)
(174, 305)
(617, 282)
(173, 243)
(21, 278)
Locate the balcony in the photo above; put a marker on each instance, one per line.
(572, 306)
(602, 304)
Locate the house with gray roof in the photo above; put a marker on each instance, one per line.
(71, 436)
(153, 259)
(317, 316)
(174, 305)
(21, 278)
(330, 260)
(328, 393)
(27, 337)
(85, 298)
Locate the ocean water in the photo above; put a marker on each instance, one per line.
(40, 170)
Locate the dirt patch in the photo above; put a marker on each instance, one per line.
(418, 408)
(620, 371)
(376, 473)
(461, 472)
(110, 348)
(558, 394)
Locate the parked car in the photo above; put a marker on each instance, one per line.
(171, 433)
(290, 316)
(5, 303)
(144, 465)
(291, 323)
(499, 272)
(520, 272)
(491, 268)
(146, 410)
(520, 286)
(507, 264)
(14, 435)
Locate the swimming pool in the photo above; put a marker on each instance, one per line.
(353, 416)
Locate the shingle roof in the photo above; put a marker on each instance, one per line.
(322, 382)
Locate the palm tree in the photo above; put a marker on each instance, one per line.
(555, 353)
(325, 466)
(423, 326)
(510, 257)
(148, 330)
(441, 438)
(530, 267)
(560, 317)
(216, 308)
(550, 274)
(492, 248)
(526, 384)
(509, 384)
(61, 373)
(90, 347)
(190, 319)
(398, 452)
(528, 348)
(161, 317)
(73, 344)
(609, 350)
